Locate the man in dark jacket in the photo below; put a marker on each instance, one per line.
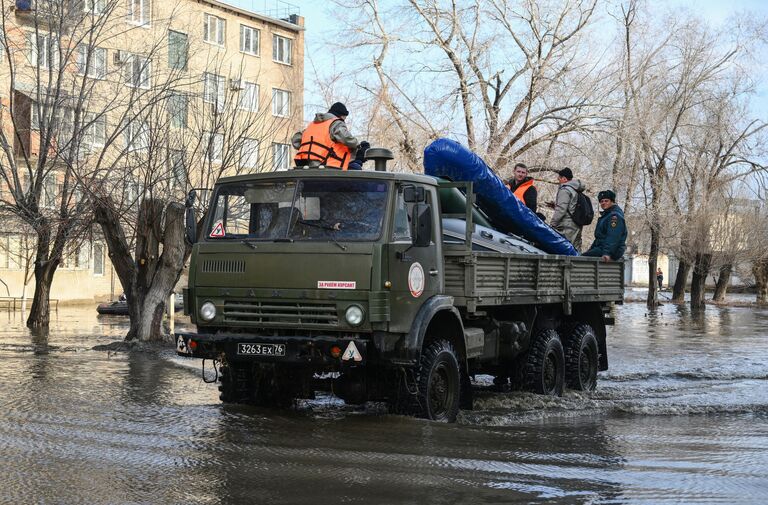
(611, 230)
(522, 187)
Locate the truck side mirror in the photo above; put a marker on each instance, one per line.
(414, 194)
(190, 222)
(422, 225)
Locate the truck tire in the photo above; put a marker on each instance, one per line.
(439, 382)
(545, 365)
(240, 383)
(235, 384)
(581, 358)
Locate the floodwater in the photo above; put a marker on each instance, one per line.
(681, 417)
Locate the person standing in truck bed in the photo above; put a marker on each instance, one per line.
(326, 140)
(565, 206)
(522, 186)
(611, 230)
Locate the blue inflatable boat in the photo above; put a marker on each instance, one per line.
(447, 158)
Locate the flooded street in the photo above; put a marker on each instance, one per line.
(680, 417)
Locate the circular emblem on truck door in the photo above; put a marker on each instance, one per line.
(416, 280)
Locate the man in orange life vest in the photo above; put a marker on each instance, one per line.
(326, 140)
(522, 187)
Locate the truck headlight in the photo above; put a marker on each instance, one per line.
(207, 311)
(354, 315)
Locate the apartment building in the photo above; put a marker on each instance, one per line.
(134, 97)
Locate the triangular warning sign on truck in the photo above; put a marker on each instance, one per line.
(218, 230)
(351, 353)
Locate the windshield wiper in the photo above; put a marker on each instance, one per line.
(341, 246)
(332, 229)
(335, 227)
(249, 243)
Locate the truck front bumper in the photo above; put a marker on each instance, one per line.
(322, 352)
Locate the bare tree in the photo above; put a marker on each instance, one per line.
(508, 79)
(667, 84)
(59, 93)
(192, 132)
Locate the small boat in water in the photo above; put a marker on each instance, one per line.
(120, 307)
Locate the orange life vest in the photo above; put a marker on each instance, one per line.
(317, 145)
(521, 189)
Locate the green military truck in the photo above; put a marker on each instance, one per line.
(382, 286)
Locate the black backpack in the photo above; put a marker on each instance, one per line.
(583, 214)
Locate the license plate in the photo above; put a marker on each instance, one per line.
(261, 349)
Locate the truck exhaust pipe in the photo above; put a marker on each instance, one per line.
(380, 156)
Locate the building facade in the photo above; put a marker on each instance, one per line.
(125, 99)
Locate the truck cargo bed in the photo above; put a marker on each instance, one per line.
(477, 279)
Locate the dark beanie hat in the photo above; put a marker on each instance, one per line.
(606, 194)
(338, 109)
(566, 172)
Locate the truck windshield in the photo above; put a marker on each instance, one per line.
(311, 210)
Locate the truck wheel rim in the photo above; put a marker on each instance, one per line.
(586, 369)
(550, 373)
(440, 390)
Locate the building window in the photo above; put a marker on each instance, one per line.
(93, 64)
(98, 259)
(249, 40)
(83, 259)
(249, 97)
(213, 90)
(136, 136)
(137, 71)
(215, 148)
(213, 30)
(34, 116)
(94, 6)
(94, 133)
(280, 156)
(177, 109)
(139, 12)
(178, 167)
(16, 252)
(177, 50)
(281, 102)
(249, 153)
(44, 50)
(50, 190)
(4, 251)
(281, 49)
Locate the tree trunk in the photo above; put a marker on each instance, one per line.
(653, 260)
(149, 280)
(653, 294)
(722, 282)
(681, 280)
(698, 281)
(760, 271)
(657, 175)
(40, 312)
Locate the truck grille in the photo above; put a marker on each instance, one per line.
(271, 312)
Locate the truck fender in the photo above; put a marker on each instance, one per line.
(426, 314)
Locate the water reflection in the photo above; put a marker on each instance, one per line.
(680, 417)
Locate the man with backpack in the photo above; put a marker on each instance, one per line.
(573, 210)
(611, 230)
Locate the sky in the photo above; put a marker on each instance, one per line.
(318, 17)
